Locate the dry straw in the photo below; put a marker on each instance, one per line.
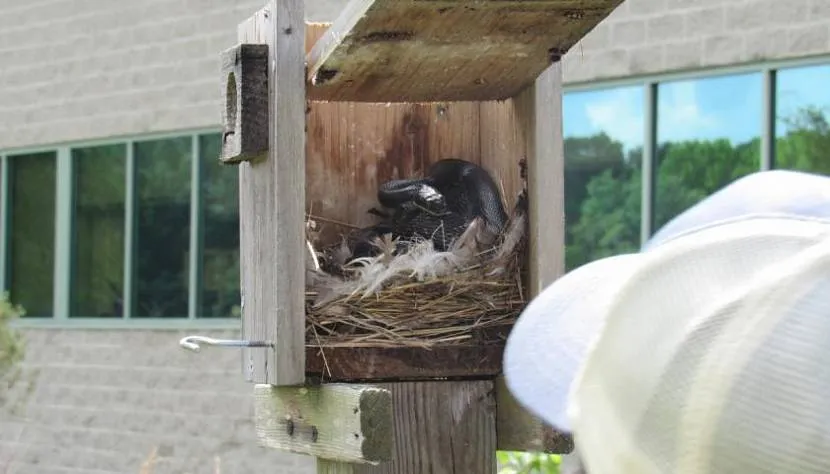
(470, 294)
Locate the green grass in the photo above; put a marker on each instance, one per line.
(511, 462)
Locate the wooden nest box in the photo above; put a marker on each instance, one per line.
(318, 116)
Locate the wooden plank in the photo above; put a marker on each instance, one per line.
(539, 111)
(445, 50)
(245, 117)
(351, 423)
(530, 125)
(541, 115)
(271, 200)
(439, 428)
(343, 364)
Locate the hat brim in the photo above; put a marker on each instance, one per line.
(552, 336)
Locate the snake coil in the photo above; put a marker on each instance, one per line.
(439, 207)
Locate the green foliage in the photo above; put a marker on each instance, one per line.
(511, 462)
(11, 342)
(603, 184)
(12, 349)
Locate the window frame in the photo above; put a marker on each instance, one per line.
(64, 195)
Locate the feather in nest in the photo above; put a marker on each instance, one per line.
(475, 248)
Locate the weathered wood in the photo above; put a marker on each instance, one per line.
(442, 50)
(342, 364)
(271, 199)
(245, 117)
(351, 423)
(439, 428)
(534, 123)
(354, 147)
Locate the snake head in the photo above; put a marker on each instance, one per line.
(431, 200)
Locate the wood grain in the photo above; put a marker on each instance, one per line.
(533, 122)
(245, 117)
(271, 197)
(337, 422)
(343, 364)
(353, 147)
(445, 50)
(439, 428)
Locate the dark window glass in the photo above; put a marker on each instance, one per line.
(220, 236)
(162, 234)
(32, 239)
(603, 155)
(708, 133)
(802, 129)
(98, 231)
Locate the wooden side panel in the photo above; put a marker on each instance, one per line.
(271, 197)
(531, 125)
(410, 51)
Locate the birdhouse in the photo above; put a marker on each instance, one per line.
(448, 116)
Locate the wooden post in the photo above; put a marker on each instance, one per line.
(272, 203)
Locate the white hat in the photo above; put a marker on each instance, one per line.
(707, 352)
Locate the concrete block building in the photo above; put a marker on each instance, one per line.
(120, 230)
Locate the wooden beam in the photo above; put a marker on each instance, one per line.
(351, 423)
(272, 205)
(341, 364)
(439, 428)
(445, 50)
(537, 113)
(245, 118)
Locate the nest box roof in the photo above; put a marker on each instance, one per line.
(444, 50)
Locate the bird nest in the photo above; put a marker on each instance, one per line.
(470, 294)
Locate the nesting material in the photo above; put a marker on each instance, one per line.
(470, 294)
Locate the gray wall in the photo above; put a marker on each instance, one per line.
(104, 401)
(78, 70)
(74, 70)
(655, 36)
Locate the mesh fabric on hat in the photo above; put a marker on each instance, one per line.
(692, 376)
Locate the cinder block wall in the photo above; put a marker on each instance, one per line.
(654, 36)
(112, 401)
(80, 70)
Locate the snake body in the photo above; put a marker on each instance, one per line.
(439, 206)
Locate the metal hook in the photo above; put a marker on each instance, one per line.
(192, 343)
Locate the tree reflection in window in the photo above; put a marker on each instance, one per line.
(708, 134)
(801, 127)
(162, 235)
(32, 240)
(220, 235)
(603, 159)
(98, 231)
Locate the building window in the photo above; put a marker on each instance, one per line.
(98, 230)
(31, 241)
(708, 135)
(149, 229)
(802, 129)
(603, 166)
(219, 273)
(162, 227)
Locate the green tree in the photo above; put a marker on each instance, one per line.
(603, 186)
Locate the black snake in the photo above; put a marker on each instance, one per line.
(439, 206)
